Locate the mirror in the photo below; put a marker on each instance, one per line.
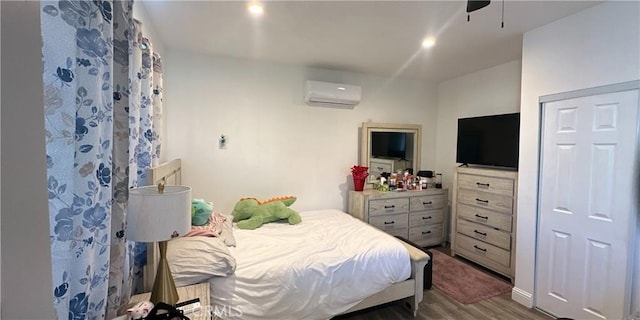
(389, 147)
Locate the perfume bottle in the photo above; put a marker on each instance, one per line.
(424, 184)
(438, 180)
(392, 181)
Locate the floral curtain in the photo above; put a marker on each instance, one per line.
(102, 107)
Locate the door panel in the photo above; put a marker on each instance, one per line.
(595, 266)
(564, 177)
(602, 173)
(586, 206)
(559, 266)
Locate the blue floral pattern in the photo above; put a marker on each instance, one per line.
(155, 137)
(102, 133)
(92, 43)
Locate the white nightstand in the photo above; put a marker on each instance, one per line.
(200, 290)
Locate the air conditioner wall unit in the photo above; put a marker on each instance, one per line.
(318, 93)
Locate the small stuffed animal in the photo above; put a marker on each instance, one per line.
(200, 212)
(249, 213)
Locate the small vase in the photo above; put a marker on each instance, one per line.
(358, 184)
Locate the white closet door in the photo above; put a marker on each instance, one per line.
(586, 206)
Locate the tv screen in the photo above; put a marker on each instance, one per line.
(489, 140)
(389, 144)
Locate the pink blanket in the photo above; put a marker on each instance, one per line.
(212, 228)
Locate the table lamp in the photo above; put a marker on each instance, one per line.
(157, 214)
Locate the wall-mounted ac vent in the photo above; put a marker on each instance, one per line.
(317, 93)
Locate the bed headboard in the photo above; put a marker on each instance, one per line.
(171, 174)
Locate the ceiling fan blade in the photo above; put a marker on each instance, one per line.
(473, 5)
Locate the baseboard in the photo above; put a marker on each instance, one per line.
(522, 297)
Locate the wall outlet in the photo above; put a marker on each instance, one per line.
(222, 142)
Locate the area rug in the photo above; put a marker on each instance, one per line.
(463, 282)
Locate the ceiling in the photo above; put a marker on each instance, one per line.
(376, 37)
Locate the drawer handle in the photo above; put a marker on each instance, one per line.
(481, 249)
(427, 203)
(483, 201)
(380, 168)
(426, 218)
(486, 185)
(480, 233)
(426, 232)
(392, 222)
(389, 207)
(482, 217)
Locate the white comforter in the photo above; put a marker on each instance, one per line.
(314, 270)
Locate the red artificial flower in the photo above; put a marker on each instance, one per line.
(359, 172)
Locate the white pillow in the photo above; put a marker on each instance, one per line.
(196, 259)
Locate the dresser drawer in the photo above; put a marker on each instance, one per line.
(486, 200)
(486, 184)
(486, 217)
(426, 235)
(398, 233)
(388, 206)
(486, 234)
(427, 202)
(389, 222)
(483, 250)
(425, 217)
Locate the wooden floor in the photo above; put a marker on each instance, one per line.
(437, 306)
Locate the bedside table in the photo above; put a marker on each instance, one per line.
(200, 290)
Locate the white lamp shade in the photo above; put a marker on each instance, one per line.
(153, 216)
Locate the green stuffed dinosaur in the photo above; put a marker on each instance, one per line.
(249, 213)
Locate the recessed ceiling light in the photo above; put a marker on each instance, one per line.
(256, 9)
(428, 42)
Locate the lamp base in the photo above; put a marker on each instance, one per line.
(164, 288)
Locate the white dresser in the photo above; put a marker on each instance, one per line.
(484, 217)
(418, 215)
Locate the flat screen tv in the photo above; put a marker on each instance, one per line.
(489, 140)
(389, 145)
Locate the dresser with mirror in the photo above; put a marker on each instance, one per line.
(389, 147)
(417, 215)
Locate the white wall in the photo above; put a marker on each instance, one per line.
(494, 90)
(595, 47)
(277, 145)
(26, 257)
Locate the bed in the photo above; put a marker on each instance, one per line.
(329, 264)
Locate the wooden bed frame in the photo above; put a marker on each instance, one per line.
(410, 290)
